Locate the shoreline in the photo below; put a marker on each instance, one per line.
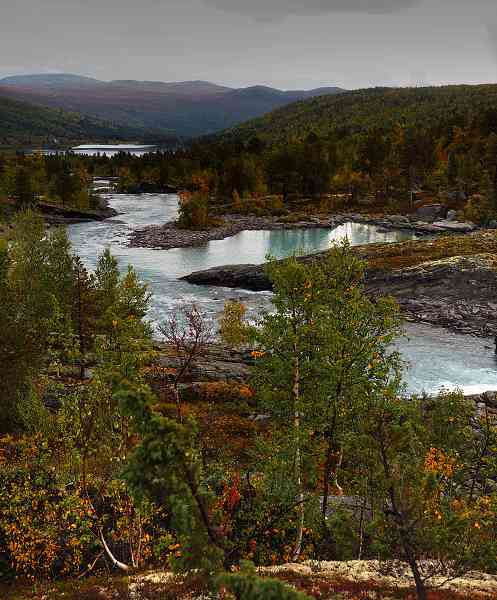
(446, 285)
(58, 215)
(223, 363)
(168, 236)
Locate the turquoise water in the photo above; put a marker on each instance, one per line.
(436, 357)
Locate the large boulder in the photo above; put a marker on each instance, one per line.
(431, 211)
(399, 220)
(248, 277)
(454, 226)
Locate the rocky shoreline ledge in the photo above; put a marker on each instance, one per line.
(449, 282)
(220, 363)
(58, 215)
(169, 236)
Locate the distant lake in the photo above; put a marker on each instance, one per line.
(96, 149)
(112, 150)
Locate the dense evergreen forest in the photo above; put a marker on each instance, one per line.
(375, 146)
(436, 109)
(379, 149)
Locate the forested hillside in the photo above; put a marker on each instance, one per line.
(435, 108)
(374, 147)
(23, 124)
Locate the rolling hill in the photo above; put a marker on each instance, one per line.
(344, 115)
(188, 109)
(23, 124)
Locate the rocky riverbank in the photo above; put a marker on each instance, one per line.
(55, 214)
(168, 235)
(59, 215)
(217, 364)
(220, 363)
(449, 282)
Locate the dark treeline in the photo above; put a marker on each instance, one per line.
(23, 124)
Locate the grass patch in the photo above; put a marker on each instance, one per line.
(385, 257)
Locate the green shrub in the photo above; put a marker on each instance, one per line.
(246, 585)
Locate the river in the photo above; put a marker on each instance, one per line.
(435, 357)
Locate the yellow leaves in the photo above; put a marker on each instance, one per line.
(257, 354)
(246, 391)
(39, 525)
(438, 463)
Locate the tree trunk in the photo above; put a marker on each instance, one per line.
(333, 462)
(177, 400)
(326, 483)
(113, 559)
(413, 564)
(400, 523)
(81, 336)
(333, 458)
(298, 457)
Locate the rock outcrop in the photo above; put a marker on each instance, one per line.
(457, 292)
(55, 215)
(431, 211)
(217, 363)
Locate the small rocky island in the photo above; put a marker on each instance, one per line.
(427, 221)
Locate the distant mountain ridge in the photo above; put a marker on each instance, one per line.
(186, 109)
(47, 80)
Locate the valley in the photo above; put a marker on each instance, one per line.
(168, 110)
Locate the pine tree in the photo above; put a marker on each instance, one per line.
(24, 188)
(84, 313)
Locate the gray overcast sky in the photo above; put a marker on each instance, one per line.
(283, 43)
